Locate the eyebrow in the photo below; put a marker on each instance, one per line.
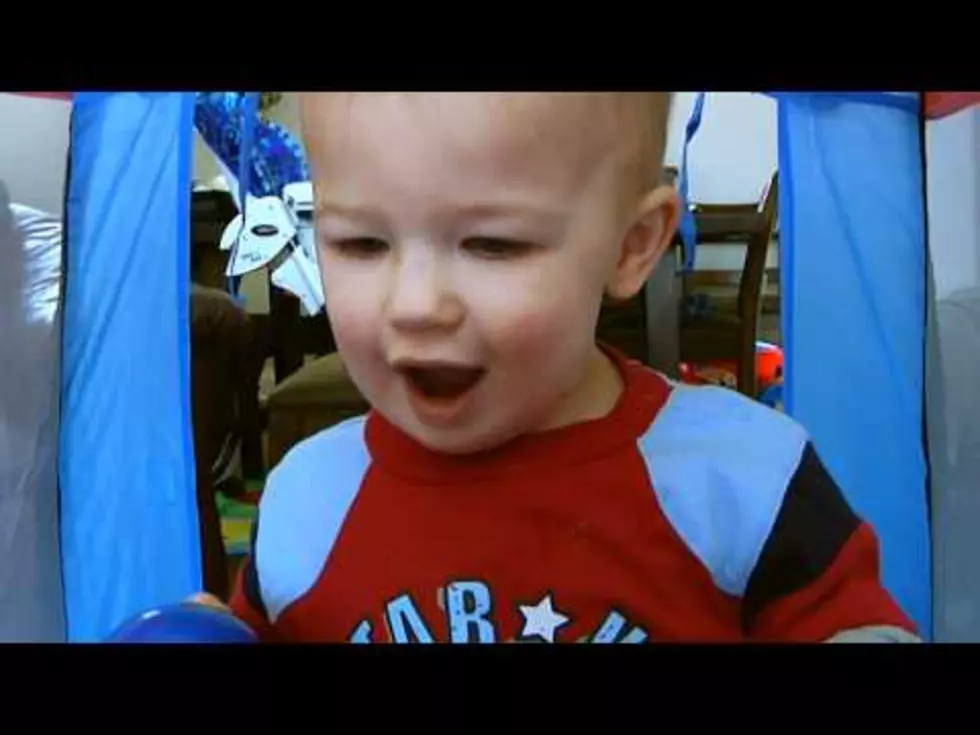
(346, 211)
(489, 210)
(480, 210)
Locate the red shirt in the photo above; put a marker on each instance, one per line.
(686, 514)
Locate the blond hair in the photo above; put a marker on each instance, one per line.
(631, 126)
(645, 117)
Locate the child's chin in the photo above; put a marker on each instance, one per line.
(459, 441)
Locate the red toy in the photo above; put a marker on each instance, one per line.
(768, 367)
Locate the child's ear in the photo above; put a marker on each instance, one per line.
(647, 239)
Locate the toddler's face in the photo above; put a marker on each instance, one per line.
(465, 242)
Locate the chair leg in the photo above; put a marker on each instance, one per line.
(213, 560)
(746, 371)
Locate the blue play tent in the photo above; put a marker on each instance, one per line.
(854, 301)
(853, 280)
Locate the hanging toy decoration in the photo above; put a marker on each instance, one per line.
(274, 229)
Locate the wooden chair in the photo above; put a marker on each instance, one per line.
(730, 335)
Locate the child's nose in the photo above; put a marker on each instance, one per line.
(421, 297)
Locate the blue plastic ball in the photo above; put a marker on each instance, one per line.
(184, 623)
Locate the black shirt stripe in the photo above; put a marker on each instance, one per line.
(814, 523)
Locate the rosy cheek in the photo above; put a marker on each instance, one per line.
(352, 317)
(348, 328)
(531, 329)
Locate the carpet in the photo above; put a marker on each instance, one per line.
(238, 517)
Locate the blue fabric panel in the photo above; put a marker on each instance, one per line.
(853, 249)
(130, 536)
(908, 101)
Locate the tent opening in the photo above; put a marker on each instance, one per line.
(34, 135)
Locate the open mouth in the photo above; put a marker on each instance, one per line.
(442, 382)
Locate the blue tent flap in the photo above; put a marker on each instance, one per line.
(853, 263)
(130, 536)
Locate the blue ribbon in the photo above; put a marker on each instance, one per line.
(250, 114)
(688, 226)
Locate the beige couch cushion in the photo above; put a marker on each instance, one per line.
(321, 382)
(315, 397)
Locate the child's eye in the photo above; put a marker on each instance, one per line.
(360, 247)
(496, 248)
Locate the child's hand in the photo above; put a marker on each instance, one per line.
(208, 600)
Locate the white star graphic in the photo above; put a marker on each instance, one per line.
(542, 620)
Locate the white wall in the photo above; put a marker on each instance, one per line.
(953, 190)
(734, 154)
(33, 150)
(731, 159)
